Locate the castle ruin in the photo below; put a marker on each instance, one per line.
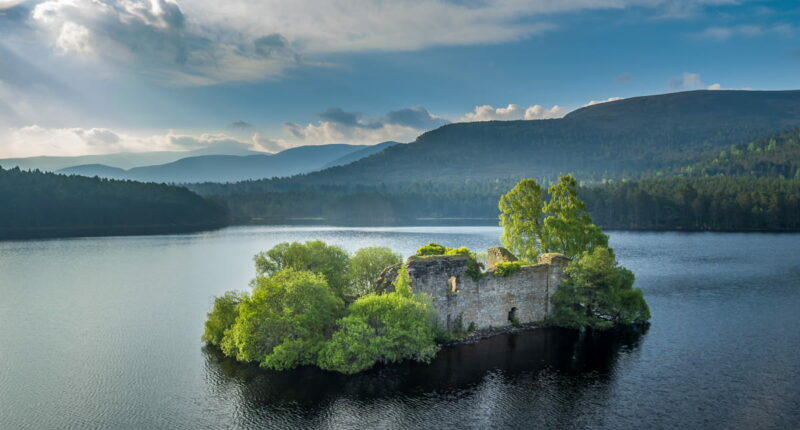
(492, 300)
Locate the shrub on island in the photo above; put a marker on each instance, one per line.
(382, 329)
(285, 321)
(598, 294)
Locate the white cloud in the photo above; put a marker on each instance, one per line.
(205, 42)
(325, 132)
(35, 140)
(691, 81)
(73, 38)
(335, 126)
(686, 81)
(339, 126)
(155, 38)
(8, 4)
(512, 112)
(720, 33)
(597, 102)
(261, 142)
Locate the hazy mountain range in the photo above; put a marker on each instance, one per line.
(207, 168)
(121, 160)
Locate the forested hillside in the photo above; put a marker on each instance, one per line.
(775, 156)
(631, 138)
(717, 204)
(36, 204)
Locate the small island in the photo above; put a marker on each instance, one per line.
(315, 304)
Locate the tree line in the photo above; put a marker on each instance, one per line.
(46, 204)
(718, 203)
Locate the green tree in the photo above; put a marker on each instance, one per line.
(285, 321)
(314, 256)
(367, 264)
(382, 328)
(222, 317)
(521, 219)
(568, 227)
(598, 293)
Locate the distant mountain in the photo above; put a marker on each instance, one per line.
(92, 170)
(363, 153)
(629, 138)
(122, 160)
(229, 168)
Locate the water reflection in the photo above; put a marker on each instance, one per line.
(487, 369)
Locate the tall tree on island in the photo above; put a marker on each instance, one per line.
(568, 227)
(521, 219)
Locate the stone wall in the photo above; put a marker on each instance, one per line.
(491, 301)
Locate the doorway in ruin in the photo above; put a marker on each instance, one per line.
(512, 315)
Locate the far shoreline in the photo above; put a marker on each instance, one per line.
(42, 233)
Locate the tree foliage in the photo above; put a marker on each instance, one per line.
(521, 219)
(382, 329)
(294, 318)
(315, 256)
(222, 317)
(285, 321)
(367, 264)
(568, 227)
(598, 293)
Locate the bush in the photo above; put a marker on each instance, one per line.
(598, 294)
(221, 317)
(366, 266)
(314, 256)
(507, 268)
(381, 329)
(285, 322)
(431, 249)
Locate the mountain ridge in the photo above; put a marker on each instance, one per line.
(628, 138)
(231, 168)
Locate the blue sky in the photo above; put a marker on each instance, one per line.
(99, 76)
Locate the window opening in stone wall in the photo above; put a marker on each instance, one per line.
(453, 283)
(512, 315)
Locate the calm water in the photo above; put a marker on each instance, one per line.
(104, 333)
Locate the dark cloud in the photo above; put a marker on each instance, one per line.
(624, 77)
(340, 116)
(417, 117)
(240, 125)
(268, 45)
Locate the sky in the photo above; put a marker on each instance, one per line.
(84, 77)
